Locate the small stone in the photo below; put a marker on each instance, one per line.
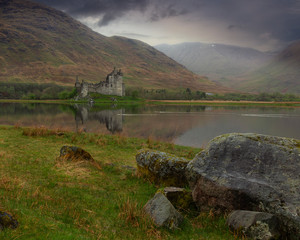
(7, 221)
(73, 153)
(162, 212)
(255, 225)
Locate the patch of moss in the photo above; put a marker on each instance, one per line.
(162, 168)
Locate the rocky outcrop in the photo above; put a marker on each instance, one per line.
(254, 225)
(162, 212)
(7, 221)
(162, 168)
(250, 172)
(73, 153)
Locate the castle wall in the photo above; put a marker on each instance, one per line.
(112, 86)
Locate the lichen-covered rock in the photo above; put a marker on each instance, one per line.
(255, 225)
(162, 168)
(73, 153)
(7, 221)
(251, 172)
(180, 198)
(162, 212)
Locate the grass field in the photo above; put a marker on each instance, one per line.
(55, 199)
(130, 101)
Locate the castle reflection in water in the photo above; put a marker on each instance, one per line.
(112, 118)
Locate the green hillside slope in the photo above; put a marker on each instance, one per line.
(40, 44)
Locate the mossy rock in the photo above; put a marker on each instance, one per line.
(78, 155)
(162, 168)
(73, 153)
(251, 172)
(7, 221)
(180, 198)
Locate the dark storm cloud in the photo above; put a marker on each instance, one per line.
(279, 18)
(162, 11)
(268, 19)
(110, 9)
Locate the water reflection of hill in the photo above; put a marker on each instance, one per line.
(37, 114)
(184, 125)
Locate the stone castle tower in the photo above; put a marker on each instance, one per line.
(113, 85)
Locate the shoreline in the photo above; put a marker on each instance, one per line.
(229, 102)
(223, 102)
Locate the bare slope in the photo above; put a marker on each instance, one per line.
(217, 61)
(281, 75)
(41, 44)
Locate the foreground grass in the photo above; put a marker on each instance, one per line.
(53, 199)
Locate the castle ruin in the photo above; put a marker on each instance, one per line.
(113, 85)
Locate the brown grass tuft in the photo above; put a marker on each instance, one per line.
(74, 169)
(101, 141)
(133, 214)
(17, 125)
(41, 131)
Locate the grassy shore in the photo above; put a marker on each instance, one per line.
(98, 100)
(224, 103)
(105, 100)
(54, 199)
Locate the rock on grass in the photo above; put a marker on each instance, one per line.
(162, 168)
(251, 172)
(73, 153)
(162, 212)
(7, 221)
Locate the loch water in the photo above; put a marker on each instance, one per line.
(183, 125)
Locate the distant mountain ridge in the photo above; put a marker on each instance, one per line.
(217, 61)
(282, 74)
(243, 69)
(41, 44)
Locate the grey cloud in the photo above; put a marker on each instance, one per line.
(106, 19)
(279, 18)
(235, 27)
(110, 9)
(135, 35)
(167, 11)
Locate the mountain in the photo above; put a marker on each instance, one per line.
(41, 44)
(217, 61)
(282, 74)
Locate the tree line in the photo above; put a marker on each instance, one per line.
(35, 91)
(188, 94)
(46, 91)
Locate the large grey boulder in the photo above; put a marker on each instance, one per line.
(250, 172)
(255, 225)
(162, 212)
(162, 168)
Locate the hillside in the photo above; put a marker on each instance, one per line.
(282, 74)
(41, 44)
(217, 61)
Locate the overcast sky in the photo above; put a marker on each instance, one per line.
(261, 24)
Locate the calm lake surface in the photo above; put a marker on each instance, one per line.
(184, 125)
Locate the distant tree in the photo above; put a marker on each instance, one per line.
(134, 94)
